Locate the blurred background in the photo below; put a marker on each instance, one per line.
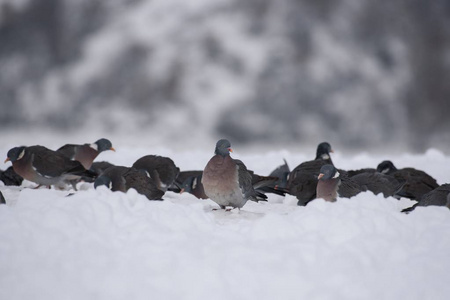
(364, 75)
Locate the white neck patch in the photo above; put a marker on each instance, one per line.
(94, 146)
(21, 154)
(194, 183)
(325, 156)
(336, 175)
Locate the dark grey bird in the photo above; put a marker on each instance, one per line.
(302, 181)
(161, 169)
(10, 177)
(97, 168)
(332, 184)
(44, 166)
(377, 183)
(86, 153)
(118, 178)
(371, 180)
(100, 166)
(267, 184)
(417, 182)
(189, 182)
(437, 197)
(282, 173)
(227, 181)
(352, 173)
(2, 199)
(448, 201)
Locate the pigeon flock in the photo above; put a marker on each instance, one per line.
(224, 180)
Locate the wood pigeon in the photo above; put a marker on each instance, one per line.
(161, 169)
(227, 181)
(86, 153)
(302, 181)
(332, 184)
(417, 182)
(118, 178)
(437, 197)
(44, 166)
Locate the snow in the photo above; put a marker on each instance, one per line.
(98, 244)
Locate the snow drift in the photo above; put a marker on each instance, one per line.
(98, 244)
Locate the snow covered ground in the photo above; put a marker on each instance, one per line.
(98, 244)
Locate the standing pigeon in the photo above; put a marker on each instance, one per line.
(118, 178)
(161, 169)
(191, 182)
(44, 166)
(226, 181)
(86, 153)
(417, 182)
(302, 181)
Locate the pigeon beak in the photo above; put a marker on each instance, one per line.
(320, 175)
(229, 149)
(112, 149)
(6, 160)
(181, 191)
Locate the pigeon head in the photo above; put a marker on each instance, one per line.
(386, 167)
(103, 180)
(188, 184)
(328, 172)
(15, 154)
(323, 151)
(223, 147)
(103, 145)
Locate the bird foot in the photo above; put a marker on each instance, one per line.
(39, 186)
(226, 209)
